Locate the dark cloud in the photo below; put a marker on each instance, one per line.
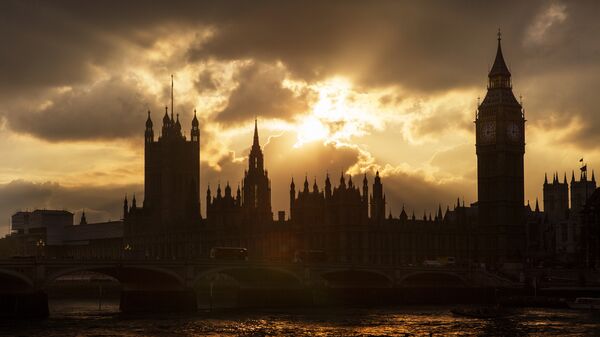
(260, 93)
(205, 82)
(422, 47)
(100, 203)
(113, 108)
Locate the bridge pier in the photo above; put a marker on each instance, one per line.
(24, 305)
(136, 301)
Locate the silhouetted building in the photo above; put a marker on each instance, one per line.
(556, 198)
(52, 234)
(590, 231)
(562, 236)
(500, 144)
(256, 188)
(167, 225)
(171, 171)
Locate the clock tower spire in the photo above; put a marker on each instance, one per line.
(500, 147)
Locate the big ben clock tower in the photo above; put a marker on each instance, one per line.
(500, 146)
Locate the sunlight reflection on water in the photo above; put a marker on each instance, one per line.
(79, 318)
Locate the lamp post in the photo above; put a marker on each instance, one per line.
(127, 249)
(40, 247)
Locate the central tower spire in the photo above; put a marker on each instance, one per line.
(172, 95)
(256, 143)
(499, 75)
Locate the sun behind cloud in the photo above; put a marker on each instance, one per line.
(339, 114)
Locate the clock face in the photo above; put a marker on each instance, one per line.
(488, 131)
(513, 131)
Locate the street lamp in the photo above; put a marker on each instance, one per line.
(40, 244)
(127, 248)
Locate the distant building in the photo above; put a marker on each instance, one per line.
(51, 233)
(38, 229)
(560, 234)
(590, 231)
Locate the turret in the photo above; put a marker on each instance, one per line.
(177, 126)
(125, 208)
(365, 191)
(305, 184)
(403, 216)
(195, 132)
(292, 197)
(83, 220)
(327, 187)
(315, 187)
(149, 134)
(208, 197)
(342, 181)
(166, 123)
(227, 191)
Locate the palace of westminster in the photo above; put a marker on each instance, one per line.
(347, 219)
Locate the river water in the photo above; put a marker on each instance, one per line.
(83, 318)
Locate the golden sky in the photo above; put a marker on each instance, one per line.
(336, 87)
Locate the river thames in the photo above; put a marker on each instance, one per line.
(82, 318)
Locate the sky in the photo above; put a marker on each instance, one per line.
(349, 87)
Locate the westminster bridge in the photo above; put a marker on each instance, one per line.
(169, 285)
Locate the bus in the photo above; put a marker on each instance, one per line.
(229, 253)
(310, 256)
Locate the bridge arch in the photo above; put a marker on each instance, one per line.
(433, 278)
(345, 277)
(15, 281)
(254, 276)
(138, 277)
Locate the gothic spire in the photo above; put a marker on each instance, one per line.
(195, 119)
(166, 119)
(149, 121)
(83, 220)
(256, 142)
(305, 183)
(172, 97)
(499, 68)
(537, 206)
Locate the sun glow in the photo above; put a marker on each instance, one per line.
(336, 116)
